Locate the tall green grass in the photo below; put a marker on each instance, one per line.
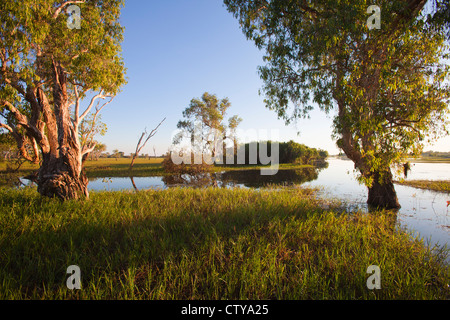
(208, 244)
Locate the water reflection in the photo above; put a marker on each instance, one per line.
(424, 213)
(197, 180)
(242, 178)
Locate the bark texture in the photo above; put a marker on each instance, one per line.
(61, 184)
(382, 194)
(53, 135)
(61, 173)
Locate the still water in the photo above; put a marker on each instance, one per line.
(424, 213)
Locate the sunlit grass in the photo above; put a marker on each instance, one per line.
(110, 167)
(103, 167)
(431, 159)
(435, 185)
(208, 244)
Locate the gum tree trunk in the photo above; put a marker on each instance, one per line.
(383, 195)
(57, 178)
(61, 173)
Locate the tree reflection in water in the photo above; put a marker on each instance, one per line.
(195, 180)
(247, 178)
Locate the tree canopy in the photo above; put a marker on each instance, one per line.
(204, 124)
(387, 88)
(47, 70)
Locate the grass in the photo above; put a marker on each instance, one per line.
(431, 159)
(436, 185)
(104, 167)
(208, 244)
(152, 167)
(107, 167)
(422, 158)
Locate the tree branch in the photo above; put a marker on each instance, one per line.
(139, 146)
(91, 104)
(21, 119)
(63, 5)
(5, 126)
(77, 107)
(88, 147)
(21, 140)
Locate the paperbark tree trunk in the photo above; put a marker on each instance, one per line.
(382, 194)
(61, 172)
(60, 179)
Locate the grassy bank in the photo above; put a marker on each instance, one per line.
(207, 244)
(430, 159)
(439, 185)
(121, 167)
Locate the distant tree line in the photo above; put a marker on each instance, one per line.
(116, 154)
(436, 154)
(290, 152)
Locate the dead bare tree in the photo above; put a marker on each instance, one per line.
(143, 141)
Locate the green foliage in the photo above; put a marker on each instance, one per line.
(205, 119)
(98, 150)
(117, 154)
(89, 128)
(48, 68)
(8, 146)
(389, 86)
(290, 152)
(32, 37)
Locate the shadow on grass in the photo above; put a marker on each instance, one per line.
(113, 232)
(199, 234)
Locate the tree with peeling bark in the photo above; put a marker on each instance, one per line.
(48, 70)
(387, 87)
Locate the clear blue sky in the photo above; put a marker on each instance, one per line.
(176, 50)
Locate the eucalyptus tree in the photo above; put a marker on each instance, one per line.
(385, 83)
(54, 57)
(204, 125)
